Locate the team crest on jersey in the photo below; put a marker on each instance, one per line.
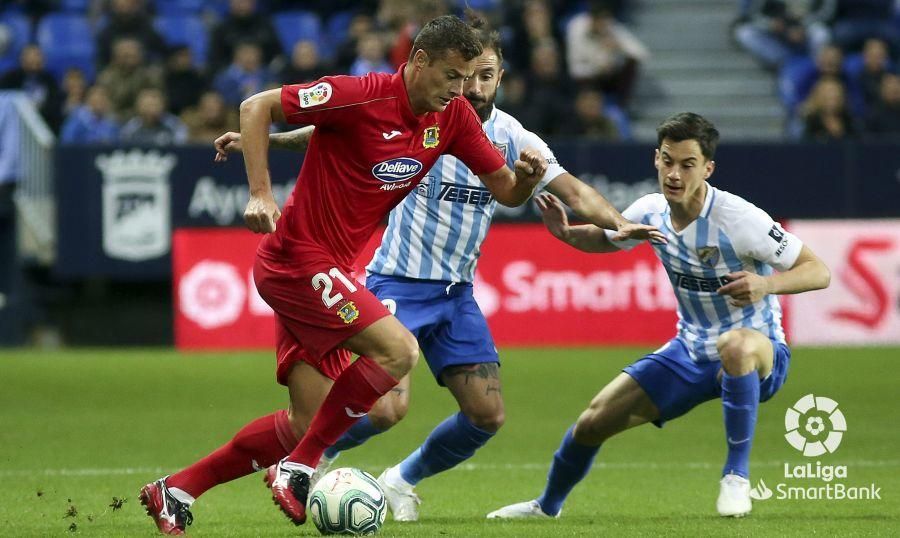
(348, 312)
(709, 256)
(432, 136)
(503, 149)
(317, 95)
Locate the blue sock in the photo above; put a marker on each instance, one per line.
(740, 399)
(358, 434)
(452, 442)
(571, 463)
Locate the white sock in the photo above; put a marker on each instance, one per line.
(181, 496)
(394, 479)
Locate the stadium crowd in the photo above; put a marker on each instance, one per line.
(172, 71)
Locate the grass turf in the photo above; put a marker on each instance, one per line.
(78, 428)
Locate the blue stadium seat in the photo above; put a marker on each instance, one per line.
(167, 8)
(67, 40)
(336, 30)
(74, 6)
(294, 26)
(795, 80)
(20, 34)
(184, 30)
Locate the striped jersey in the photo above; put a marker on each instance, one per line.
(731, 234)
(436, 232)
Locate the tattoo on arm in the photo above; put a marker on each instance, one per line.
(296, 140)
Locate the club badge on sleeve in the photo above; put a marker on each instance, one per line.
(348, 312)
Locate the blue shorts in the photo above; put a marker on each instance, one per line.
(676, 383)
(443, 316)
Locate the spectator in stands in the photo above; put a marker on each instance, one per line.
(533, 25)
(153, 126)
(360, 25)
(602, 53)
(774, 30)
(210, 118)
(92, 122)
(883, 119)
(74, 89)
(37, 83)
(858, 20)
(183, 82)
(126, 75)
(590, 120)
(549, 91)
(402, 20)
(304, 65)
(370, 58)
(826, 113)
(876, 63)
(245, 76)
(243, 24)
(512, 95)
(129, 19)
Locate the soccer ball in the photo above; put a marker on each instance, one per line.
(347, 501)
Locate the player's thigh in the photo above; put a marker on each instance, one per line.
(307, 387)
(745, 350)
(392, 407)
(620, 405)
(388, 343)
(478, 390)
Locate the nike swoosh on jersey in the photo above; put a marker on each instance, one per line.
(352, 413)
(392, 134)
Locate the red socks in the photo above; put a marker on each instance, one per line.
(257, 446)
(353, 394)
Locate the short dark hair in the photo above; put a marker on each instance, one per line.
(446, 33)
(487, 36)
(689, 126)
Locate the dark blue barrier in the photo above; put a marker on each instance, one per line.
(117, 207)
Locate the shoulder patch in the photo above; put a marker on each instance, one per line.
(315, 95)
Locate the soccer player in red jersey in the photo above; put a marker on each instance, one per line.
(376, 136)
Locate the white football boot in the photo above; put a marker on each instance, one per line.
(734, 496)
(527, 509)
(401, 499)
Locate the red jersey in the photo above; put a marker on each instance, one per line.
(367, 153)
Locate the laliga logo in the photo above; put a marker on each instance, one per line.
(814, 425)
(212, 294)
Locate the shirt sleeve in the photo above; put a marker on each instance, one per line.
(759, 237)
(471, 145)
(527, 139)
(321, 102)
(636, 212)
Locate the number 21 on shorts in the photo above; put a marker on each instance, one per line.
(320, 280)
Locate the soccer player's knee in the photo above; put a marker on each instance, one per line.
(738, 352)
(589, 428)
(402, 356)
(489, 420)
(386, 417)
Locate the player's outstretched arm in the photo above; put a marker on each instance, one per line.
(808, 273)
(590, 205)
(515, 188)
(587, 237)
(296, 140)
(258, 112)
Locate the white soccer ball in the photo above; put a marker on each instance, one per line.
(347, 501)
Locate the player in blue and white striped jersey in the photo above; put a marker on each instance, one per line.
(721, 257)
(423, 271)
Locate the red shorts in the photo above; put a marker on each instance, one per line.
(317, 308)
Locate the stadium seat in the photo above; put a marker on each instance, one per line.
(336, 29)
(67, 40)
(294, 26)
(18, 31)
(74, 6)
(167, 8)
(184, 30)
(795, 80)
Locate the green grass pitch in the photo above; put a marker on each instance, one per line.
(78, 428)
